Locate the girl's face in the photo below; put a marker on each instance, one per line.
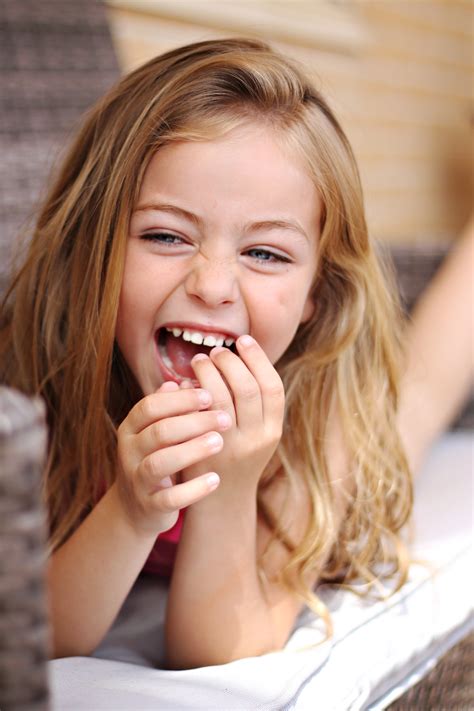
(223, 241)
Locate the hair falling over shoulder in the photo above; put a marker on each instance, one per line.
(58, 318)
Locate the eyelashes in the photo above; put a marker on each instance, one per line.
(265, 255)
(162, 238)
(259, 255)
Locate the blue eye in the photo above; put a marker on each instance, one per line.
(264, 255)
(162, 238)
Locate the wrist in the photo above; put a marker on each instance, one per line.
(233, 495)
(142, 533)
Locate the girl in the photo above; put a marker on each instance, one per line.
(203, 313)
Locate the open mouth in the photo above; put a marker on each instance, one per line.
(178, 346)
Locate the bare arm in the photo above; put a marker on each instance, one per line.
(92, 573)
(216, 608)
(440, 364)
(219, 607)
(90, 576)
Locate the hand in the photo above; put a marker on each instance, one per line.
(250, 390)
(164, 433)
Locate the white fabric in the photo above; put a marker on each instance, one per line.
(378, 651)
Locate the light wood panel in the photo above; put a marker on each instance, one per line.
(397, 72)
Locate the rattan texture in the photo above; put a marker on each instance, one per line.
(448, 687)
(24, 630)
(56, 59)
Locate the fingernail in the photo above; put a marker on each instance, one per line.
(218, 349)
(204, 397)
(214, 440)
(166, 482)
(246, 341)
(213, 481)
(224, 419)
(198, 356)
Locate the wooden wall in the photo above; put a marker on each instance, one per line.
(397, 72)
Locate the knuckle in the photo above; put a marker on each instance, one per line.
(160, 432)
(250, 393)
(124, 453)
(221, 404)
(167, 500)
(275, 389)
(124, 433)
(151, 465)
(144, 409)
(249, 390)
(276, 431)
(274, 437)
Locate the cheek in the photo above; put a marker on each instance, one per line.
(134, 311)
(289, 301)
(129, 306)
(142, 286)
(277, 321)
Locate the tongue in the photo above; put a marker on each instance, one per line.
(181, 353)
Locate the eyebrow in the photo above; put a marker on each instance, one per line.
(172, 209)
(291, 225)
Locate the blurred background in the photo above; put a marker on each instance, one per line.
(397, 72)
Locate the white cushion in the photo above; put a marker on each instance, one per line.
(378, 651)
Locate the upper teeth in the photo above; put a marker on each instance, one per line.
(201, 339)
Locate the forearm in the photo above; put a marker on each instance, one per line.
(217, 611)
(90, 576)
(440, 364)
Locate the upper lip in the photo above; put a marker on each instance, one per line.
(201, 328)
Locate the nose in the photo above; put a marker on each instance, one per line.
(212, 281)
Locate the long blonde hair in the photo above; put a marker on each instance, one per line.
(59, 315)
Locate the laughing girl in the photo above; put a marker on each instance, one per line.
(218, 348)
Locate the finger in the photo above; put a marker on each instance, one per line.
(186, 384)
(168, 386)
(211, 380)
(244, 387)
(187, 493)
(271, 386)
(170, 460)
(174, 430)
(166, 403)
